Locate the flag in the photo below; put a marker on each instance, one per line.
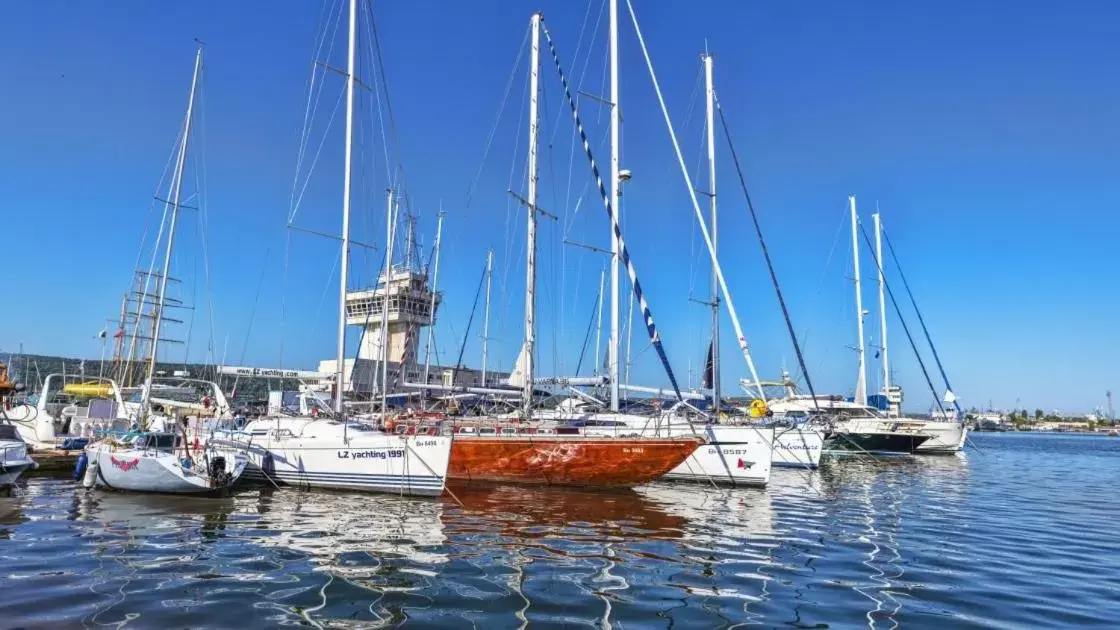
(118, 334)
(709, 370)
(104, 333)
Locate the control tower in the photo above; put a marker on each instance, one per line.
(410, 310)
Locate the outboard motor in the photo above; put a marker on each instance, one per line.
(219, 478)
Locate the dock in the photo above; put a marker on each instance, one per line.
(54, 461)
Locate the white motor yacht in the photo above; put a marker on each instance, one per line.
(14, 460)
(68, 411)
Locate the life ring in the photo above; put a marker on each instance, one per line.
(758, 408)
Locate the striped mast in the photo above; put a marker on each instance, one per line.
(651, 328)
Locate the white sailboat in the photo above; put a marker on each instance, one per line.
(333, 452)
(863, 428)
(947, 433)
(155, 458)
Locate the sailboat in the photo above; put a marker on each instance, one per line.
(530, 447)
(155, 457)
(946, 430)
(857, 426)
(321, 451)
(737, 451)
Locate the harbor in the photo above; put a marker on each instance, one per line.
(912, 542)
(509, 357)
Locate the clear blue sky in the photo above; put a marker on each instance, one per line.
(985, 132)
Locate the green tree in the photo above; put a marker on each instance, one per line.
(1038, 414)
(1024, 415)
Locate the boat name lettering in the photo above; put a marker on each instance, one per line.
(374, 454)
(634, 450)
(426, 443)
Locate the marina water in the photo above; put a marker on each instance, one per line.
(1020, 532)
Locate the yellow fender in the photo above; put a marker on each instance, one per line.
(758, 409)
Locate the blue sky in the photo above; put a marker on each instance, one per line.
(985, 133)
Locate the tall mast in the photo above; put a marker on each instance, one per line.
(735, 324)
(861, 383)
(390, 232)
(340, 369)
(531, 247)
(486, 316)
(180, 164)
(882, 306)
(612, 348)
(432, 307)
(715, 238)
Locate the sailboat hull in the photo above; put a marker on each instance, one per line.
(797, 447)
(877, 443)
(944, 437)
(143, 470)
(364, 461)
(738, 455)
(574, 461)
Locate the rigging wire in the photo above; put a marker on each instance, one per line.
(204, 215)
(467, 332)
(766, 255)
(497, 119)
(921, 320)
(388, 100)
(902, 320)
(587, 335)
(624, 253)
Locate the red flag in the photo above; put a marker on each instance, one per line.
(118, 334)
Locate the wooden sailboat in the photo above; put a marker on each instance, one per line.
(530, 451)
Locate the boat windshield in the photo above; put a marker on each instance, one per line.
(156, 441)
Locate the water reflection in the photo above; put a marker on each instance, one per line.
(878, 543)
(10, 514)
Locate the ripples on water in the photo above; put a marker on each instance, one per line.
(1019, 534)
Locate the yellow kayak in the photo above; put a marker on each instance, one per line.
(88, 389)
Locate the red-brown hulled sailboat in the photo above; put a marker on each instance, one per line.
(511, 451)
(566, 460)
